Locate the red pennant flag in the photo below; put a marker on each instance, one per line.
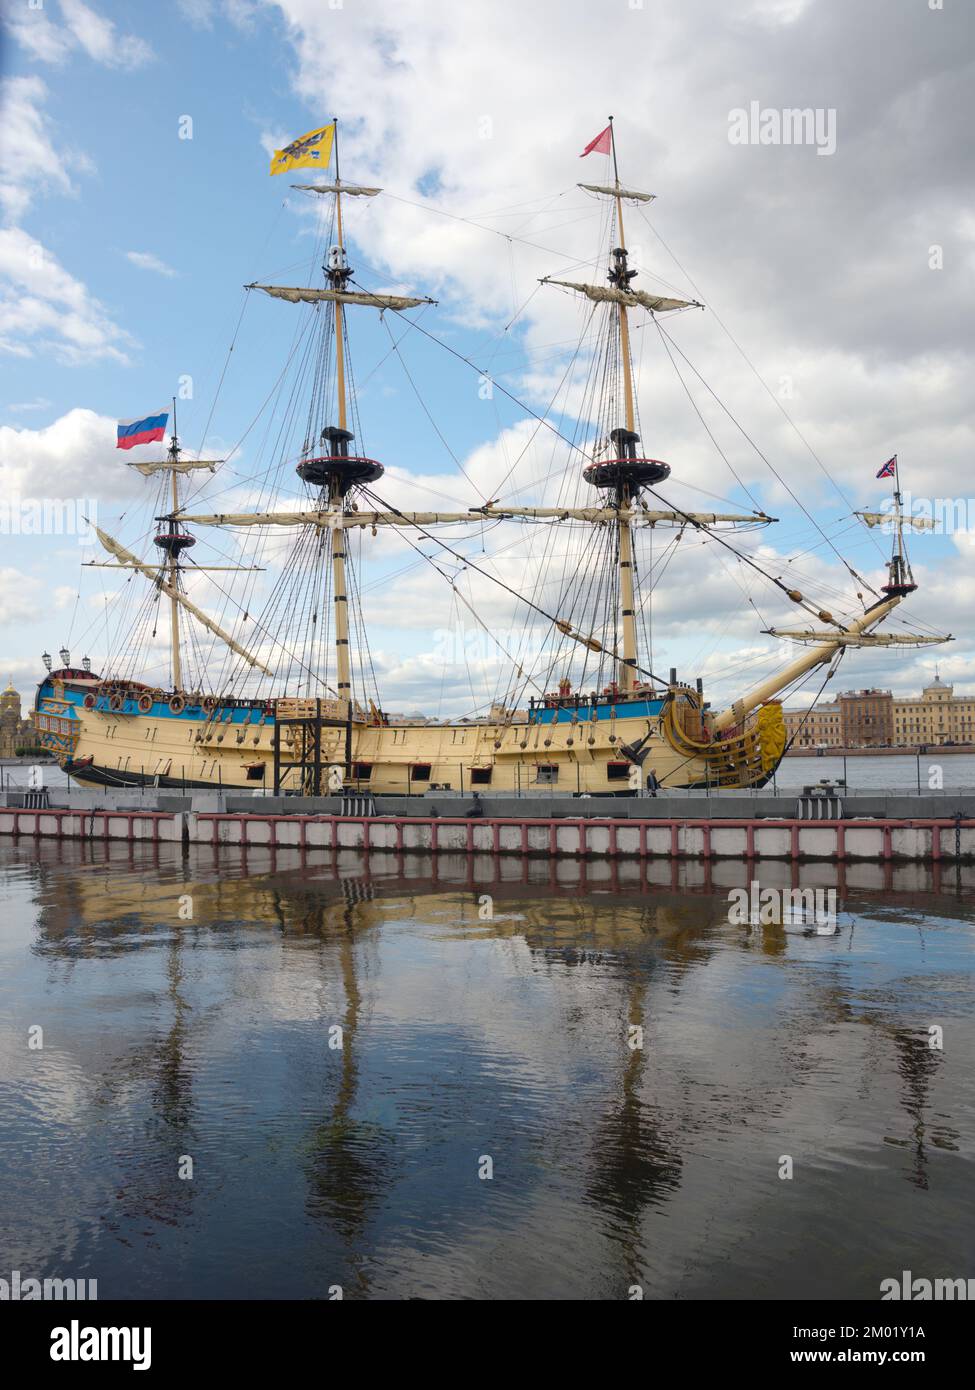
(602, 143)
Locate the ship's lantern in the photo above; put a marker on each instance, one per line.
(86, 662)
(46, 658)
(65, 656)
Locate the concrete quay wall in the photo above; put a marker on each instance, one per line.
(917, 837)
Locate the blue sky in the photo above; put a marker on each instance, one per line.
(818, 265)
(203, 207)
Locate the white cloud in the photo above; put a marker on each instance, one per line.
(198, 12)
(35, 32)
(74, 457)
(145, 260)
(83, 28)
(100, 40)
(45, 309)
(201, 13)
(21, 597)
(30, 159)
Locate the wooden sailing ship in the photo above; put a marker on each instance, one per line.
(288, 711)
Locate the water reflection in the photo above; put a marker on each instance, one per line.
(486, 1007)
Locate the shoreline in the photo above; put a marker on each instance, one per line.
(917, 750)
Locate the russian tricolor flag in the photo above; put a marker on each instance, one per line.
(144, 431)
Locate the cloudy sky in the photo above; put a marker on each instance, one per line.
(837, 280)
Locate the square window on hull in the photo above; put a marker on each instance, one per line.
(546, 773)
(420, 772)
(481, 776)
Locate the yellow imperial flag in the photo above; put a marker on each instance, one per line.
(311, 151)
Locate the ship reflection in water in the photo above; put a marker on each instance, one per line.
(344, 1046)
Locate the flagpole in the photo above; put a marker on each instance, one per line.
(612, 141)
(339, 328)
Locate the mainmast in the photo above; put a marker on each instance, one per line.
(620, 276)
(624, 474)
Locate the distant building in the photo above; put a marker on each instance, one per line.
(877, 719)
(814, 728)
(15, 732)
(867, 718)
(938, 716)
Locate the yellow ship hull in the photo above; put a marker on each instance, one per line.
(602, 751)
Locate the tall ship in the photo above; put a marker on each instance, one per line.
(276, 690)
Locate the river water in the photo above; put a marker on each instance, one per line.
(408, 1077)
(929, 772)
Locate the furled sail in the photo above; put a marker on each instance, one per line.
(355, 189)
(113, 547)
(628, 298)
(172, 466)
(629, 193)
(860, 639)
(349, 520)
(311, 518)
(295, 294)
(920, 523)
